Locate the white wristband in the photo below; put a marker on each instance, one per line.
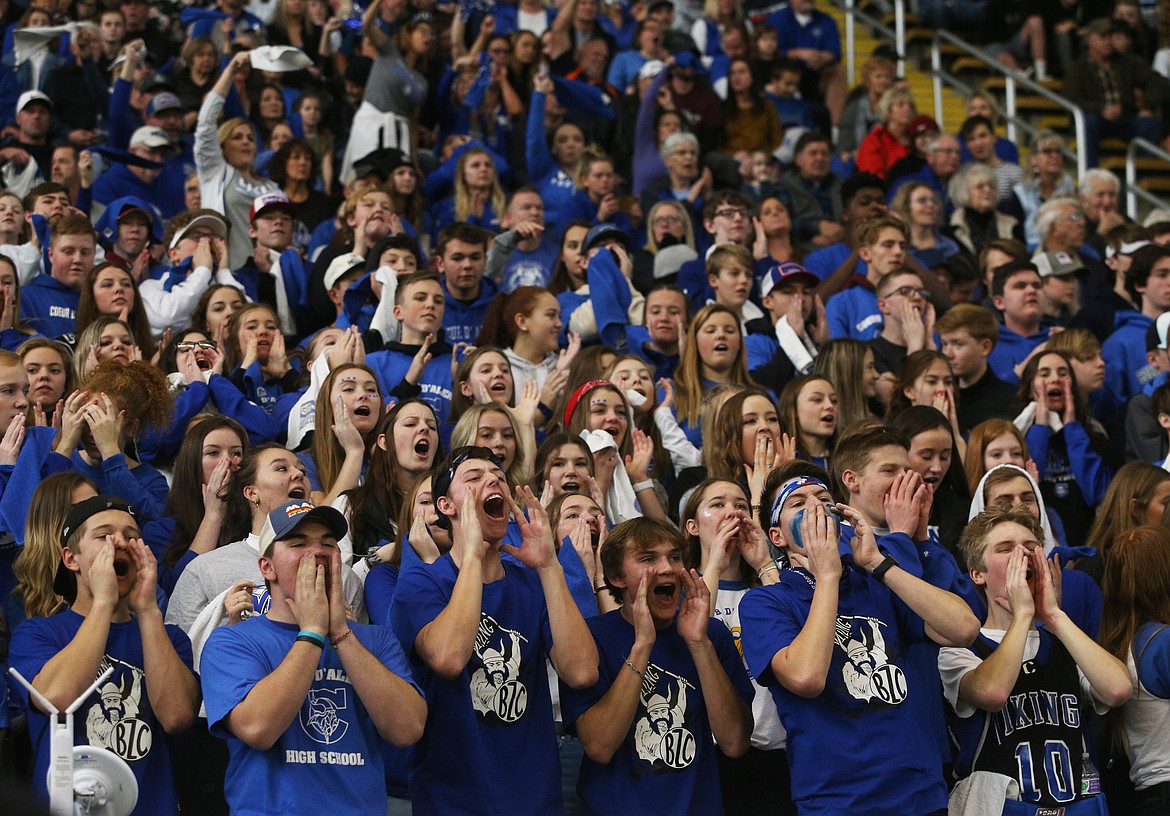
(646, 485)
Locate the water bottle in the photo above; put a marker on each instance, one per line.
(1090, 777)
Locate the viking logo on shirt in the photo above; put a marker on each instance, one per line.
(496, 691)
(261, 600)
(868, 673)
(661, 737)
(320, 718)
(114, 721)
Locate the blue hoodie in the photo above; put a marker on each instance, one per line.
(118, 182)
(462, 320)
(1126, 369)
(50, 306)
(1010, 350)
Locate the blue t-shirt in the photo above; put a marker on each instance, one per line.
(666, 764)
(331, 750)
(531, 268)
(489, 738)
(117, 716)
(824, 262)
(870, 718)
(1151, 648)
(854, 313)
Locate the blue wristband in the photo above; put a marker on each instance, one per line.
(306, 635)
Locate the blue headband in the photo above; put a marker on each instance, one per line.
(786, 490)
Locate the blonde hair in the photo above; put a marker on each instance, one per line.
(224, 132)
(467, 429)
(463, 195)
(36, 566)
(680, 211)
(891, 96)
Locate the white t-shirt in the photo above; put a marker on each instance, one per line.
(954, 663)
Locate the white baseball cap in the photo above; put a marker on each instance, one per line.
(32, 96)
(342, 265)
(152, 137)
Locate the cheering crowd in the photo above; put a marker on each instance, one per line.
(589, 408)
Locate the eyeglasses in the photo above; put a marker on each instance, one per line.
(909, 291)
(666, 220)
(732, 212)
(196, 345)
(1073, 216)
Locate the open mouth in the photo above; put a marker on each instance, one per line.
(296, 493)
(121, 567)
(570, 486)
(494, 507)
(422, 447)
(499, 387)
(720, 347)
(204, 365)
(1054, 393)
(666, 591)
(362, 411)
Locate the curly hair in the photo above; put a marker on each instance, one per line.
(137, 388)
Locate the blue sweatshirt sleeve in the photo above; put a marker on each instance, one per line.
(1037, 438)
(610, 294)
(577, 580)
(84, 200)
(440, 181)
(121, 122)
(188, 403)
(1092, 474)
(260, 425)
(645, 139)
(540, 160)
(147, 497)
(380, 584)
(23, 479)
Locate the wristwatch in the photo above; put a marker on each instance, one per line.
(879, 572)
(372, 558)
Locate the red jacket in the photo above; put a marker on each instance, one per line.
(879, 150)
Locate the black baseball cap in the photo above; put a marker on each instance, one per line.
(65, 581)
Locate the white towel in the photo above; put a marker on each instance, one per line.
(619, 499)
(211, 618)
(303, 417)
(1027, 418)
(982, 794)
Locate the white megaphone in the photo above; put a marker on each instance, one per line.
(83, 780)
